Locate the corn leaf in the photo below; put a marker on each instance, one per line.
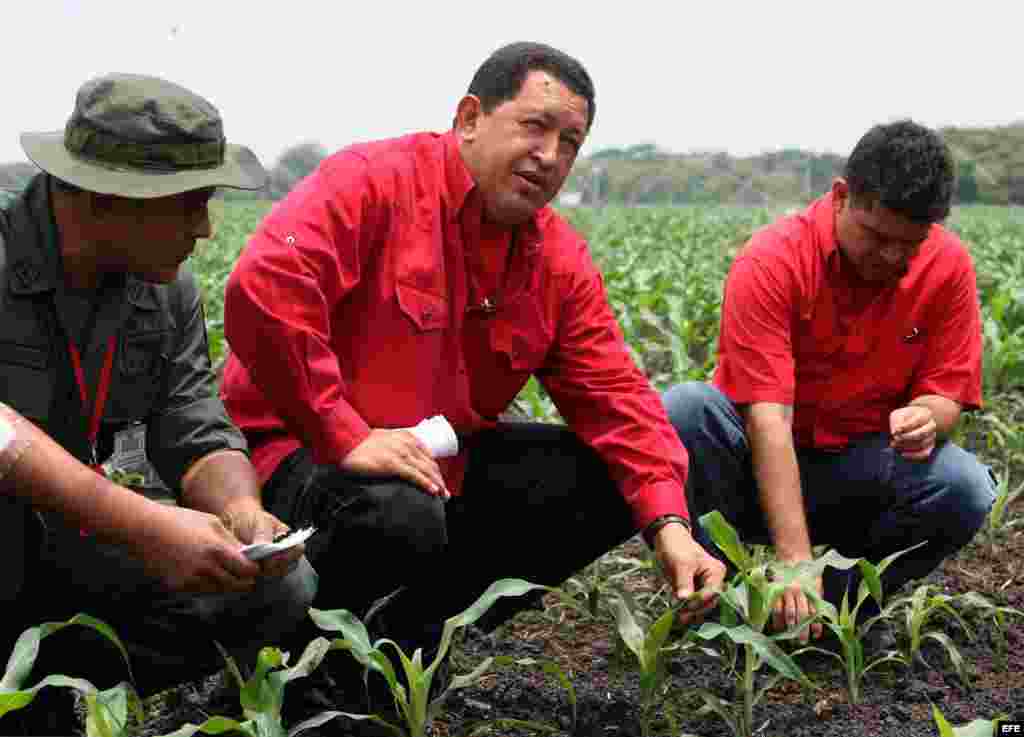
(727, 539)
(26, 648)
(215, 725)
(257, 695)
(497, 590)
(631, 633)
(107, 711)
(763, 645)
(955, 658)
(722, 708)
(326, 716)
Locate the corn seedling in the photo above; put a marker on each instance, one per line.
(977, 728)
(262, 695)
(913, 613)
(843, 621)
(747, 605)
(107, 711)
(649, 648)
(984, 608)
(412, 700)
(997, 523)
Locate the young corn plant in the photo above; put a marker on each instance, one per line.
(747, 605)
(412, 699)
(974, 601)
(649, 648)
(913, 613)
(998, 524)
(262, 695)
(976, 728)
(843, 621)
(107, 711)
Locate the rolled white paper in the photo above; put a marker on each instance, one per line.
(258, 551)
(438, 435)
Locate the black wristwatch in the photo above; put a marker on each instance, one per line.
(666, 519)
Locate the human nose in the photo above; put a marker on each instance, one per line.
(893, 255)
(546, 150)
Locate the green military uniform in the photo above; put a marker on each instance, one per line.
(161, 378)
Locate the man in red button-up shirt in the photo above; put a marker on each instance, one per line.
(426, 275)
(850, 343)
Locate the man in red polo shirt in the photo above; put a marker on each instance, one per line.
(426, 275)
(850, 343)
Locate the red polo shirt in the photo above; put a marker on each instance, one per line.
(352, 307)
(798, 328)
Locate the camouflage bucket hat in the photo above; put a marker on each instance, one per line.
(141, 137)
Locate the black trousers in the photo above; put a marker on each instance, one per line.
(536, 504)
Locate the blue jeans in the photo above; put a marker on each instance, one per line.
(866, 501)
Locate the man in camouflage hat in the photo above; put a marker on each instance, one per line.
(103, 344)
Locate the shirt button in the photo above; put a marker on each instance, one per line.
(427, 313)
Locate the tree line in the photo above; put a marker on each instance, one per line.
(990, 170)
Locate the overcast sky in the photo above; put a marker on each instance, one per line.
(737, 76)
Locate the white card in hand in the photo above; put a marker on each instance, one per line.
(438, 435)
(259, 551)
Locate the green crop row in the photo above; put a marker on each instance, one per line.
(664, 269)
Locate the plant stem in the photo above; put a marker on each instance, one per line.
(852, 677)
(748, 691)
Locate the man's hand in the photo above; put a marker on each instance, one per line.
(397, 453)
(194, 552)
(793, 606)
(689, 569)
(250, 523)
(913, 430)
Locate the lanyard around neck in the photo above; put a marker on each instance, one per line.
(93, 427)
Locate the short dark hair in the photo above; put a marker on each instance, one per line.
(905, 167)
(501, 76)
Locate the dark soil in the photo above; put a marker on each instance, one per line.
(894, 701)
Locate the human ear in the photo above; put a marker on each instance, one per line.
(467, 117)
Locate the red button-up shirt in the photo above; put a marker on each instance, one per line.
(347, 310)
(799, 329)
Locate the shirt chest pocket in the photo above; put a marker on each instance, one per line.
(139, 376)
(26, 379)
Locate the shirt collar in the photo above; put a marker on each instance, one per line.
(33, 249)
(34, 252)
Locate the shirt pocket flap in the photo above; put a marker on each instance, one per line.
(427, 311)
(25, 379)
(29, 356)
